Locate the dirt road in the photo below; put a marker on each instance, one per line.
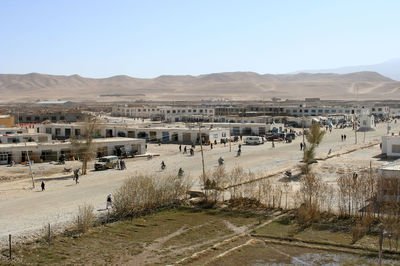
(25, 211)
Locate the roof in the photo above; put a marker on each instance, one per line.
(393, 166)
(54, 143)
(53, 102)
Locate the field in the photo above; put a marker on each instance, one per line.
(191, 236)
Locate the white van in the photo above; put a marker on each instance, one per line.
(254, 140)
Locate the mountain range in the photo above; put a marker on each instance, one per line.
(229, 85)
(390, 69)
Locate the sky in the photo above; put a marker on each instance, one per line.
(103, 38)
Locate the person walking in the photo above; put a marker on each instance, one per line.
(211, 145)
(180, 148)
(43, 186)
(301, 146)
(344, 137)
(109, 201)
(341, 137)
(121, 164)
(273, 144)
(185, 150)
(76, 175)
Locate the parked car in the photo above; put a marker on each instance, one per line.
(291, 135)
(254, 140)
(106, 162)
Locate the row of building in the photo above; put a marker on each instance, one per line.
(52, 150)
(185, 113)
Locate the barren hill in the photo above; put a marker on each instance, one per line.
(232, 85)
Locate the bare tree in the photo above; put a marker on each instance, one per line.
(83, 144)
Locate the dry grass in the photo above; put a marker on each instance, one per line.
(120, 242)
(85, 218)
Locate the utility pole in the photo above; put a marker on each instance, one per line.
(302, 122)
(30, 167)
(202, 154)
(355, 128)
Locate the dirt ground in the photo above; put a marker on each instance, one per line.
(24, 210)
(184, 236)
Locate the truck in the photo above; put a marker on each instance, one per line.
(106, 162)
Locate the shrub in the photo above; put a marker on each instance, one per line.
(357, 232)
(307, 214)
(144, 193)
(85, 218)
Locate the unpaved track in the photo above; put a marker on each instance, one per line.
(24, 211)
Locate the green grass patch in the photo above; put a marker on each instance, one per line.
(325, 236)
(276, 228)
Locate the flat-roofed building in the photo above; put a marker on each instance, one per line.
(391, 145)
(51, 151)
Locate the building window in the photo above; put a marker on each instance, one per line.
(48, 130)
(395, 148)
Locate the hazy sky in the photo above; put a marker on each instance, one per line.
(151, 38)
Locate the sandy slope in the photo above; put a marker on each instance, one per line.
(233, 85)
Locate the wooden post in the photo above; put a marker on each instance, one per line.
(302, 123)
(49, 234)
(202, 160)
(380, 245)
(30, 168)
(355, 128)
(9, 245)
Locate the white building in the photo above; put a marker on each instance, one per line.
(395, 112)
(168, 113)
(389, 182)
(248, 129)
(391, 146)
(25, 137)
(13, 130)
(367, 121)
(166, 134)
(51, 151)
(305, 110)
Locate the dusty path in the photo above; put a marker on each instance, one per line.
(25, 211)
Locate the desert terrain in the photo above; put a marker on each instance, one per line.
(230, 85)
